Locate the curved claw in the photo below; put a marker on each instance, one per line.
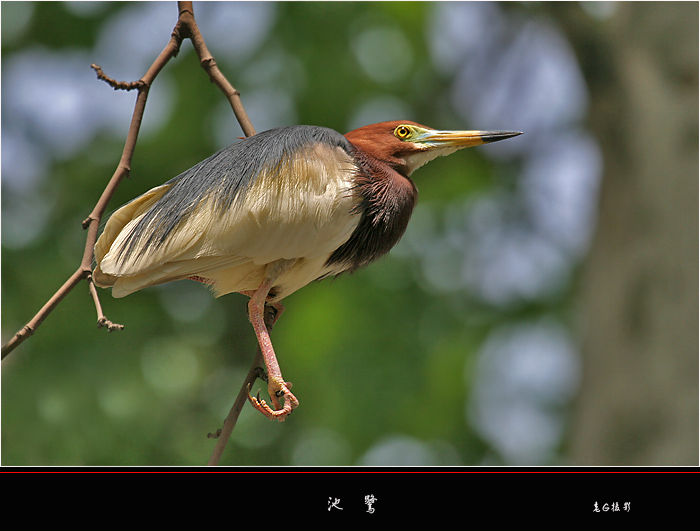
(278, 413)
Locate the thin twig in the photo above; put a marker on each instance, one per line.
(29, 329)
(222, 435)
(102, 321)
(186, 27)
(206, 60)
(116, 85)
(92, 222)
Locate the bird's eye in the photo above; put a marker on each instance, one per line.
(402, 132)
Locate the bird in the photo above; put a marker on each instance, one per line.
(272, 213)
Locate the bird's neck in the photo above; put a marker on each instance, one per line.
(386, 201)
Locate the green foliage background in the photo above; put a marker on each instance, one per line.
(375, 356)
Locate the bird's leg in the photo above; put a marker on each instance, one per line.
(276, 385)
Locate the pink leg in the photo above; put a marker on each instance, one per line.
(276, 385)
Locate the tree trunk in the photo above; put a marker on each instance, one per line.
(638, 403)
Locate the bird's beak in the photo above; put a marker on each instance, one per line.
(462, 139)
(431, 143)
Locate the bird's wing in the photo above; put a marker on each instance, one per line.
(296, 203)
(114, 229)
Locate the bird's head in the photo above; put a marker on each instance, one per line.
(406, 145)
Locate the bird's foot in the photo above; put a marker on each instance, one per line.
(277, 390)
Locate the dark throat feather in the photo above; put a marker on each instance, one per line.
(387, 199)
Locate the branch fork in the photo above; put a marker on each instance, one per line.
(185, 28)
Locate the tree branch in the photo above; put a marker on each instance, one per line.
(185, 28)
(222, 435)
(206, 60)
(92, 222)
(116, 85)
